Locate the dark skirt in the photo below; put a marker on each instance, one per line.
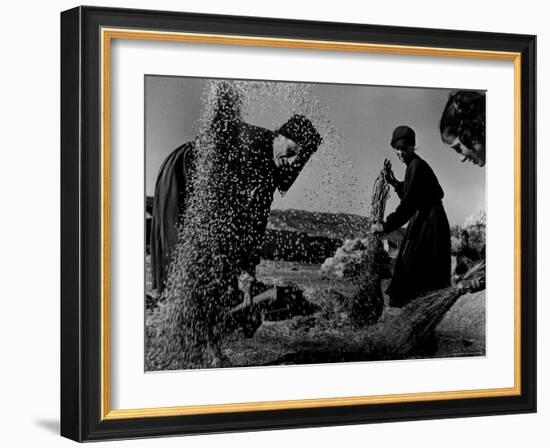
(424, 260)
(171, 191)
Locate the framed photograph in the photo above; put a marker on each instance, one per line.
(273, 223)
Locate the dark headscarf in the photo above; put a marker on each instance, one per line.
(403, 133)
(301, 131)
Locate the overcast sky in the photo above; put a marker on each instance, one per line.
(339, 177)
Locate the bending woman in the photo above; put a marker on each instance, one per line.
(424, 259)
(462, 125)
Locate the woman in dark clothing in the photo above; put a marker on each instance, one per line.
(265, 165)
(424, 259)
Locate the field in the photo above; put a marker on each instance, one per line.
(296, 243)
(326, 336)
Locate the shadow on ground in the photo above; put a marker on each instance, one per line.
(51, 426)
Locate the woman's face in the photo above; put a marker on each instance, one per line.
(404, 151)
(284, 151)
(474, 154)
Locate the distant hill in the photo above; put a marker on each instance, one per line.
(331, 225)
(304, 236)
(300, 235)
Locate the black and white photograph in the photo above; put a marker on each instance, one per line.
(307, 223)
(275, 224)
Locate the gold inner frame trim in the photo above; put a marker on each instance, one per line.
(107, 35)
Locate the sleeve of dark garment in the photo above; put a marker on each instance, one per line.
(398, 187)
(254, 226)
(411, 193)
(257, 178)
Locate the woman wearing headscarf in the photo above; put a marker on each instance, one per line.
(424, 259)
(268, 160)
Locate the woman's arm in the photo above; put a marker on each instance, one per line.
(398, 187)
(387, 171)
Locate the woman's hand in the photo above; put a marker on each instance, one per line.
(377, 228)
(471, 286)
(245, 286)
(388, 173)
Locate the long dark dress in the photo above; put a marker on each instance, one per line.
(424, 259)
(171, 190)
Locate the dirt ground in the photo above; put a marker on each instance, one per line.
(327, 334)
(461, 331)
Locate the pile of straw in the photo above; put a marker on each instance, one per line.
(402, 335)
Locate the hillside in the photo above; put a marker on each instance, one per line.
(300, 235)
(331, 225)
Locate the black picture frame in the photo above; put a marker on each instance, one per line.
(81, 224)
